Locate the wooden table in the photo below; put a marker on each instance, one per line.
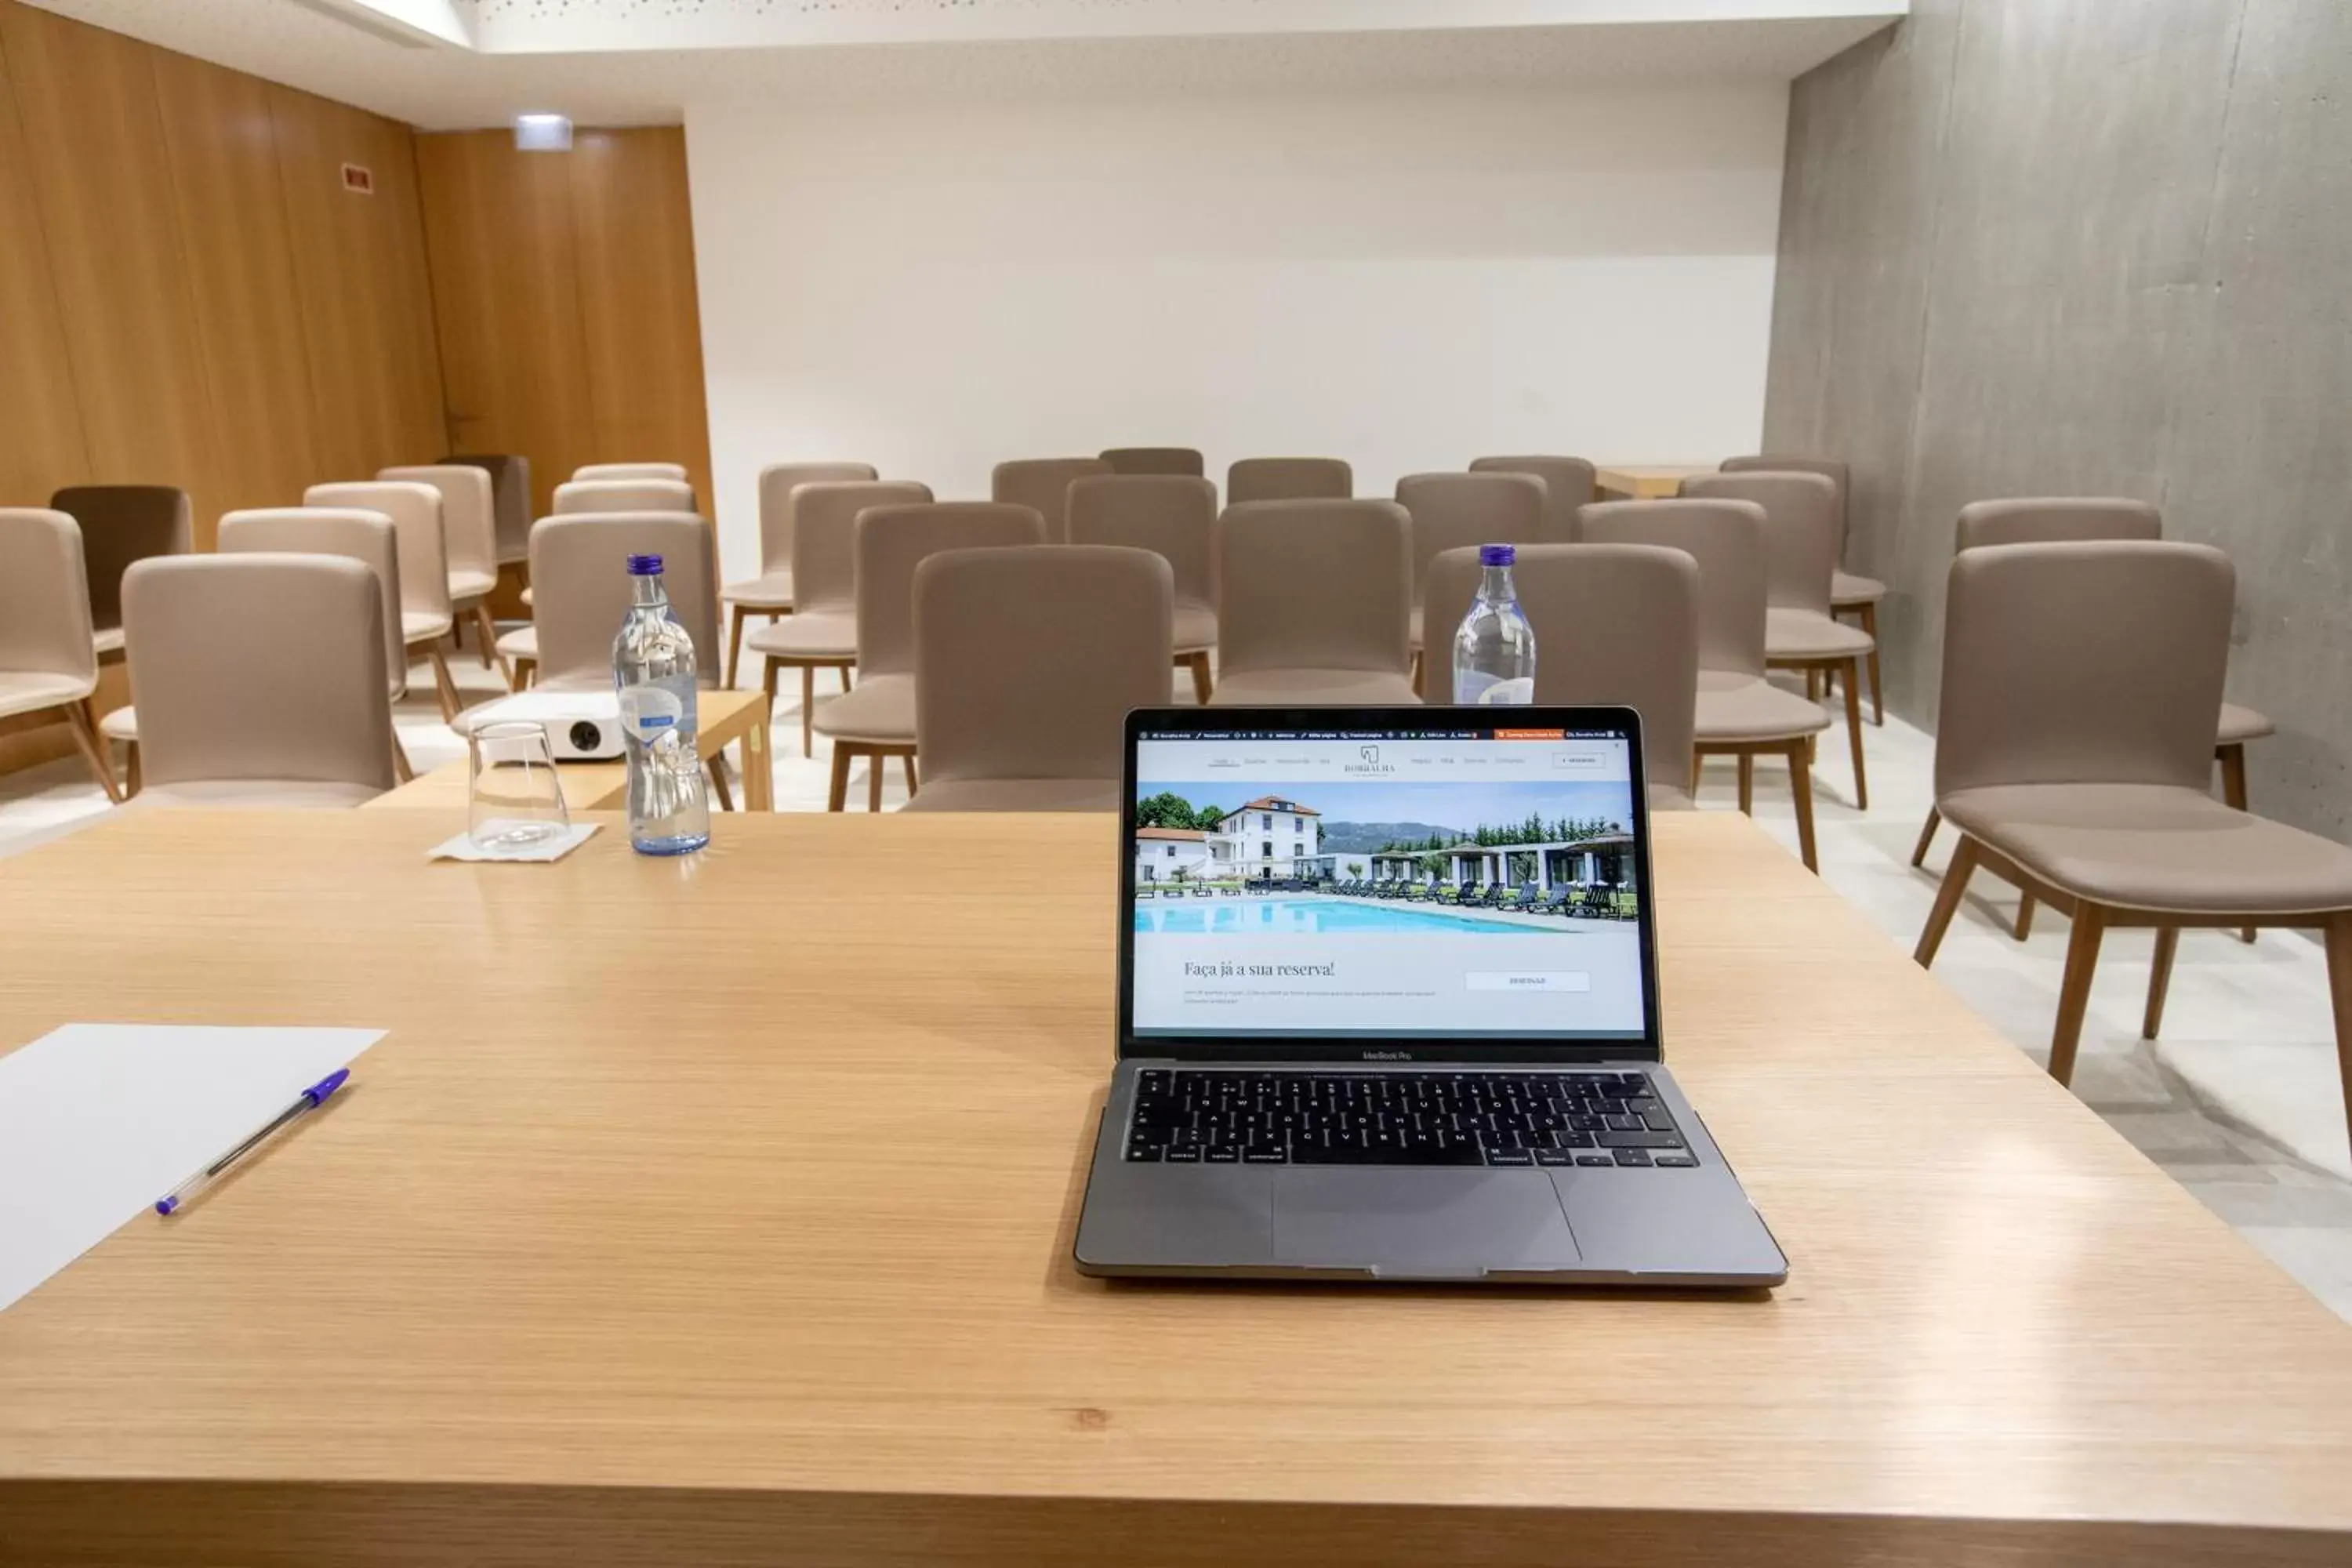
(754, 1247)
(1646, 481)
(722, 717)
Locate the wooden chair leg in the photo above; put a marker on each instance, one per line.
(808, 710)
(401, 769)
(906, 762)
(1748, 783)
(82, 720)
(443, 685)
(488, 631)
(2074, 991)
(845, 684)
(1948, 901)
(2232, 759)
(1877, 691)
(2024, 927)
(874, 781)
(1812, 685)
(1201, 684)
(133, 780)
(1698, 768)
(1853, 732)
(734, 641)
(2339, 993)
(2159, 979)
(1927, 837)
(836, 795)
(526, 670)
(719, 790)
(1800, 789)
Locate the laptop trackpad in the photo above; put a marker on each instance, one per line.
(1418, 1222)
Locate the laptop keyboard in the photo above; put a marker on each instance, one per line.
(1505, 1119)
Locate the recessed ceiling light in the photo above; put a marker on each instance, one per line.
(543, 133)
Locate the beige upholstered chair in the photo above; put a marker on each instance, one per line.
(1568, 484)
(2074, 756)
(48, 658)
(510, 499)
(1016, 710)
(1740, 714)
(1454, 511)
(426, 615)
(1174, 517)
(1043, 485)
(1184, 462)
(652, 493)
(821, 632)
(1288, 478)
(580, 566)
(1800, 560)
(1615, 625)
(876, 720)
(120, 524)
(2057, 520)
(1850, 592)
(1313, 604)
(469, 536)
(260, 680)
(771, 592)
(592, 472)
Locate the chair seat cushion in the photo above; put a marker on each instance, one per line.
(772, 592)
(1848, 591)
(819, 634)
(258, 794)
(2156, 848)
(423, 625)
(527, 597)
(521, 642)
(1806, 634)
(105, 640)
(1196, 629)
(120, 724)
(30, 690)
(881, 710)
(465, 587)
(1309, 687)
(2239, 725)
(1738, 708)
(1016, 794)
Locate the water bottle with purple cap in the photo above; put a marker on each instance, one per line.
(1495, 650)
(653, 674)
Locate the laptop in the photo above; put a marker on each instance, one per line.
(1388, 1010)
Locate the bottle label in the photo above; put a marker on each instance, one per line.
(649, 711)
(1475, 689)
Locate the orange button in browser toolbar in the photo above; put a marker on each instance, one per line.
(1531, 734)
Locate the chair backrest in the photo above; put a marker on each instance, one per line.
(1614, 624)
(1007, 688)
(45, 622)
(622, 494)
(1288, 478)
(824, 537)
(370, 538)
(259, 667)
(1727, 539)
(509, 497)
(469, 525)
(1171, 515)
(1043, 484)
(581, 590)
(1315, 584)
(2055, 520)
(594, 471)
(1831, 469)
(120, 524)
(1452, 511)
(777, 482)
(893, 540)
(2096, 662)
(415, 512)
(1182, 461)
(1569, 483)
(1800, 543)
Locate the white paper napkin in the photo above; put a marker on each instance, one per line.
(554, 847)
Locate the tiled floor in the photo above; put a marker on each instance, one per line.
(2240, 1101)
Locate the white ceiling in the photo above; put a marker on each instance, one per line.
(956, 48)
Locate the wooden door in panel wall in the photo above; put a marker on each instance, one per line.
(94, 142)
(41, 446)
(635, 232)
(506, 293)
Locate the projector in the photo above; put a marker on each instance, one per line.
(581, 726)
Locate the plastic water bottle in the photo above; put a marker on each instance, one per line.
(653, 673)
(1494, 651)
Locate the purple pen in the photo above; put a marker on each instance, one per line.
(308, 1100)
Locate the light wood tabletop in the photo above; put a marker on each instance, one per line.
(720, 1208)
(1646, 481)
(722, 717)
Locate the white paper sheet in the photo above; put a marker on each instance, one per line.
(554, 847)
(98, 1121)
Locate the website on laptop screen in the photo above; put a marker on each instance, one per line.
(1475, 883)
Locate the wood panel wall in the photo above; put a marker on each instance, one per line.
(563, 283)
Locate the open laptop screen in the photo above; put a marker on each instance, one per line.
(1401, 883)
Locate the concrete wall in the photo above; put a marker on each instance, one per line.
(2044, 247)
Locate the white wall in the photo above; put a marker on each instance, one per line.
(1404, 279)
